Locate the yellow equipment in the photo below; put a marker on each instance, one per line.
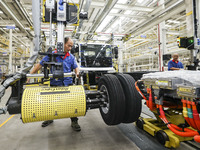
(49, 103)
(159, 130)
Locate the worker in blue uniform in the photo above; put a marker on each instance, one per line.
(174, 64)
(69, 63)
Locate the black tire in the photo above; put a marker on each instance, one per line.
(162, 137)
(132, 98)
(113, 114)
(140, 123)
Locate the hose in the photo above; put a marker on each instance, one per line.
(197, 138)
(190, 115)
(185, 113)
(139, 91)
(175, 129)
(137, 88)
(195, 115)
(150, 100)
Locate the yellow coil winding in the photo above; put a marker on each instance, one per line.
(49, 103)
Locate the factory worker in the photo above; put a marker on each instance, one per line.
(174, 64)
(69, 63)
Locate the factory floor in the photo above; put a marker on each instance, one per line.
(95, 134)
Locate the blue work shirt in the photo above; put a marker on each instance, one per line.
(174, 64)
(69, 63)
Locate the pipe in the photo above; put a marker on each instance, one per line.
(195, 19)
(50, 75)
(15, 19)
(94, 101)
(81, 5)
(108, 6)
(154, 21)
(50, 28)
(160, 65)
(24, 12)
(86, 9)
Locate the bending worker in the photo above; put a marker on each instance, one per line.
(69, 63)
(174, 64)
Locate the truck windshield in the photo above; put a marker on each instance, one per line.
(96, 55)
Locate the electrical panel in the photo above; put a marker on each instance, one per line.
(61, 11)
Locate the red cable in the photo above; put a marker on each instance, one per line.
(185, 105)
(174, 128)
(191, 119)
(137, 88)
(197, 138)
(150, 100)
(195, 115)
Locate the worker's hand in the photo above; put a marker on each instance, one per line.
(77, 75)
(28, 80)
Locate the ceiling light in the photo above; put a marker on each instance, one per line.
(122, 1)
(134, 20)
(1, 12)
(167, 25)
(173, 21)
(128, 12)
(140, 1)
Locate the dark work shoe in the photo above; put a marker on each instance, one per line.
(46, 123)
(75, 126)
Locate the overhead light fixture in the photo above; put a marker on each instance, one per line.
(167, 25)
(127, 12)
(1, 12)
(140, 1)
(173, 21)
(134, 20)
(27, 28)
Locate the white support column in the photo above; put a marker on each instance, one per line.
(161, 39)
(189, 18)
(10, 50)
(189, 23)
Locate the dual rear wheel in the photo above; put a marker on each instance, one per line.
(123, 102)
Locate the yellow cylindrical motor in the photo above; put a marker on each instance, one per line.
(49, 103)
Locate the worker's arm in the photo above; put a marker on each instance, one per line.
(170, 66)
(36, 68)
(75, 67)
(39, 65)
(77, 72)
(173, 68)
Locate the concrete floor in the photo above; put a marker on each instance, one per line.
(95, 134)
